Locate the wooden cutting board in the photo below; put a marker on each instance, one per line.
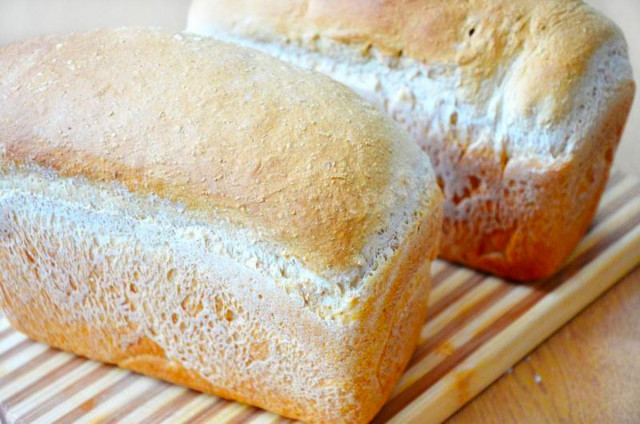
(478, 326)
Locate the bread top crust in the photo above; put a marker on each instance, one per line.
(218, 128)
(474, 40)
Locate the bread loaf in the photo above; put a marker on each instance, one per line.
(208, 215)
(519, 103)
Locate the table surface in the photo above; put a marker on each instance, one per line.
(587, 372)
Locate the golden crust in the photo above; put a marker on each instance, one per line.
(517, 202)
(556, 38)
(231, 133)
(112, 116)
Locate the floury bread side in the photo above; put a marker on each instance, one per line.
(519, 103)
(211, 216)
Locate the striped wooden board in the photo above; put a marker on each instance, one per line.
(478, 327)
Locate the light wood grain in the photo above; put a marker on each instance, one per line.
(588, 372)
(487, 363)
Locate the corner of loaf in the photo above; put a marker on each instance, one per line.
(542, 197)
(208, 215)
